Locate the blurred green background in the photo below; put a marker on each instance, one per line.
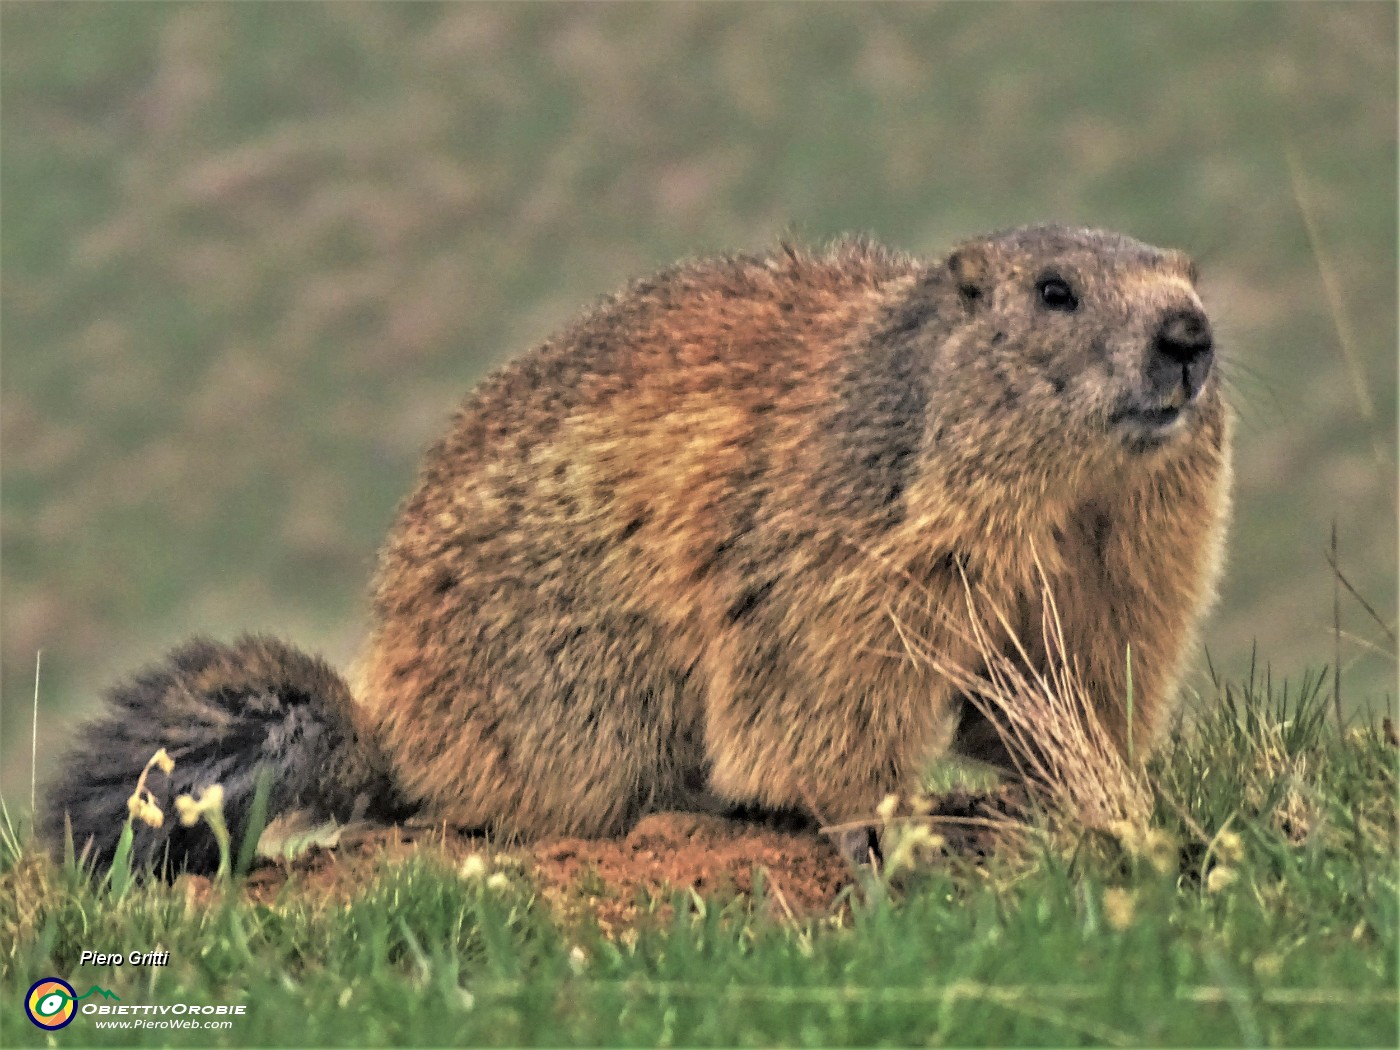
(253, 254)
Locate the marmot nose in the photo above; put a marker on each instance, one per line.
(1184, 335)
(1182, 350)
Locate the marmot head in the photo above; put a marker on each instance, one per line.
(1077, 339)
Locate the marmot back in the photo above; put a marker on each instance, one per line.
(676, 553)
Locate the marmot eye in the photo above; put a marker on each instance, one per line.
(1057, 294)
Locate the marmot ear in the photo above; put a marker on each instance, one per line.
(971, 273)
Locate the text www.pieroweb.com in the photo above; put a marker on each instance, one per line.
(177, 1016)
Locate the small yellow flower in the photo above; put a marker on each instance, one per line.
(1229, 847)
(473, 867)
(142, 804)
(209, 807)
(210, 800)
(887, 807)
(1118, 907)
(1150, 844)
(1127, 834)
(913, 843)
(1220, 876)
(1268, 965)
(188, 809)
(498, 881)
(1161, 851)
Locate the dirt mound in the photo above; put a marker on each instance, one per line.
(667, 852)
(619, 880)
(663, 854)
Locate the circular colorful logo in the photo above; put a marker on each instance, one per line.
(50, 1003)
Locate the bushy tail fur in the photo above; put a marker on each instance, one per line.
(223, 713)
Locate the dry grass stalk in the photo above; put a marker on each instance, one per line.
(1341, 321)
(1046, 717)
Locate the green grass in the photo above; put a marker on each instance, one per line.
(1272, 920)
(254, 254)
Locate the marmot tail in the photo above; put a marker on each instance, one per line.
(222, 713)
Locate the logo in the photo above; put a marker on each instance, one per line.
(51, 1003)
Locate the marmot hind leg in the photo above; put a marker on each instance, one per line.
(550, 725)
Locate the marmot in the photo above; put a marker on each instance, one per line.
(670, 552)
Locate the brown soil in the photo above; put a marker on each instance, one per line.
(668, 852)
(619, 881)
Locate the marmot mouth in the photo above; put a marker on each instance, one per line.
(1146, 427)
(1161, 416)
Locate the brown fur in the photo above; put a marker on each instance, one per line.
(679, 549)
